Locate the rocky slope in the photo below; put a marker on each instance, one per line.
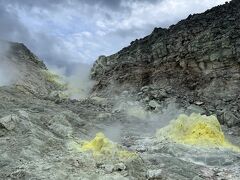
(37, 129)
(196, 61)
(31, 75)
(41, 135)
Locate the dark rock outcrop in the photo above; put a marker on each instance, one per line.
(196, 60)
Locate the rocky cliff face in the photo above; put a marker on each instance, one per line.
(196, 61)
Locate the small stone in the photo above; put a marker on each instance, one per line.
(119, 167)
(141, 149)
(146, 99)
(109, 168)
(207, 173)
(199, 103)
(153, 104)
(8, 122)
(23, 114)
(153, 174)
(98, 99)
(104, 115)
(162, 94)
(140, 93)
(231, 19)
(124, 93)
(215, 56)
(194, 109)
(145, 88)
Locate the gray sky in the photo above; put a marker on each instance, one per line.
(65, 32)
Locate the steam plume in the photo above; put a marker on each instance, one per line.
(8, 71)
(78, 81)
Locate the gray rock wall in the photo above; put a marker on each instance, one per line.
(198, 59)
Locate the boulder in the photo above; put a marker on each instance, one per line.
(9, 122)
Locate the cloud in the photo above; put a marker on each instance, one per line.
(66, 32)
(11, 27)
(53, 4)
(144, 16)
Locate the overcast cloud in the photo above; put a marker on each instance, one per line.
(66, 32)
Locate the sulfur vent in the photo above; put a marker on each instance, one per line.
(100, 146)
(197, 130)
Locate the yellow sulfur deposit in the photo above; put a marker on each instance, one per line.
(196, 129)
(101, 145)
(54, 79)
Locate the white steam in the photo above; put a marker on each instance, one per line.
(114, 131)
(148, 122)
(136, 121)
(78, 82)
(8, 71)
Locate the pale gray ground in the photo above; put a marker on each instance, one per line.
(34, 142)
